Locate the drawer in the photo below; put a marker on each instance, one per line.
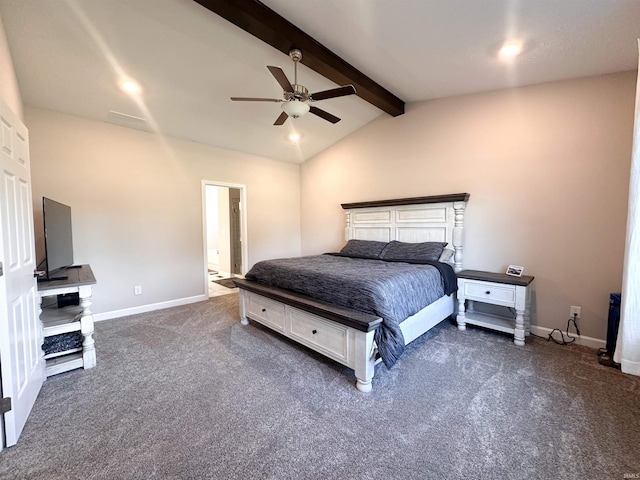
(329, 338)
(497, 294)
(266, 311)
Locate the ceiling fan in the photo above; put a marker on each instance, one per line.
(296, 99)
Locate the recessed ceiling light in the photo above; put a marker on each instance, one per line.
(510, 50)
(130, 86)
(294, 137)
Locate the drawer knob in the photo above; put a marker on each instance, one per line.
(488, 292)
(314, 331)
(264, 309)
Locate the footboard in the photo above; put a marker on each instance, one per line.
(341, 334)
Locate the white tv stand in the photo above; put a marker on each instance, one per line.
(73, 318)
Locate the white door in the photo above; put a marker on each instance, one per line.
(22, 366)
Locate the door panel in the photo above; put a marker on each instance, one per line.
(235, 239)
(21, 359)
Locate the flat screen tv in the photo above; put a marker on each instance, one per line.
(58, 240)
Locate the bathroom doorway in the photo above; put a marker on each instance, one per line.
(225, 246)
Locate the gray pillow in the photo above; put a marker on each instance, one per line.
(363, 248)
(408, 252)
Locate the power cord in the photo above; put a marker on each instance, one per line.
(569, 336)
(562, 334)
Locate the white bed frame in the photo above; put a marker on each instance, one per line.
(346, 335)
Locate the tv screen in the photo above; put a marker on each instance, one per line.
(58, 241)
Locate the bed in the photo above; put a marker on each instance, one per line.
(393, 280)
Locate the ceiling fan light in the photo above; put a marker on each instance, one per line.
(295, 108)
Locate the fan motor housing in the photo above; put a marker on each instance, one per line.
(300, 92)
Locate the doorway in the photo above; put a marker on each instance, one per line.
(224, 228)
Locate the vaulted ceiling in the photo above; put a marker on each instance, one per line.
(70, 56)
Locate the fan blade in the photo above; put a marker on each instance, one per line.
(281, 78)
(281, 119)
(334, 92)
(326, 115)
(248, 99)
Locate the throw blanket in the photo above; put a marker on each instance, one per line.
(391, 290)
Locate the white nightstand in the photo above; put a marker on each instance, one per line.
(495, 289)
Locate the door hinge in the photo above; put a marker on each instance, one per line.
(5, 405)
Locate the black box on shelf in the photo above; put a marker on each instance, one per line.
(66, 299)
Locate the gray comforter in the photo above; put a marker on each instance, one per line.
(391, 290)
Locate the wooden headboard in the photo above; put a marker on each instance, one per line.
(437, 218)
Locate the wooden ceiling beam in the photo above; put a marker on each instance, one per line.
(260, 21)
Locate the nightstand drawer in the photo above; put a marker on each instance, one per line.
(490, 292)
(266, 311)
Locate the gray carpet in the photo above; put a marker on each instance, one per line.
(189, 393)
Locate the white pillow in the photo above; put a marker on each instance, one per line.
(447, 255)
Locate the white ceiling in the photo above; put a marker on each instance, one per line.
(70, 54)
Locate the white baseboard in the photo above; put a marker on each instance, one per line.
(580, 340)
(98, 317)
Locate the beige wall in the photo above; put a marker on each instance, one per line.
(136, 202)
(547, 168)
(9, 91)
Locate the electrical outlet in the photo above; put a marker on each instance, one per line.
(575, 311)
(137, 290)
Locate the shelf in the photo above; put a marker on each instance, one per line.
(67, 327)
(59, 354)
(61, 320)
(494, 322)
(55, 316)
(64, 363)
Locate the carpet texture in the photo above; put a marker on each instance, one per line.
(190, 393)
